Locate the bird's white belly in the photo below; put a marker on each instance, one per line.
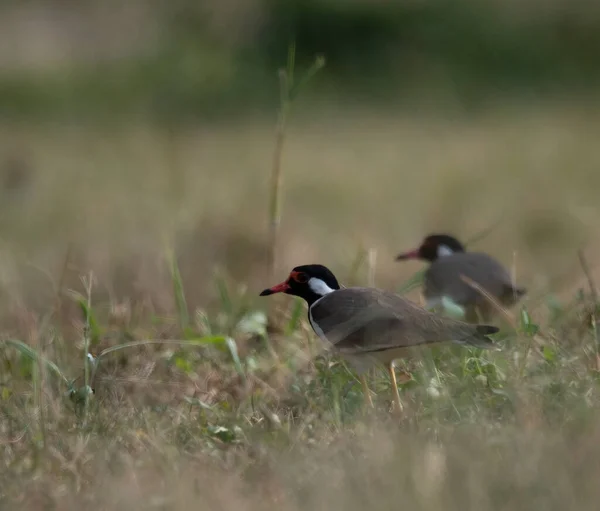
(446, 304)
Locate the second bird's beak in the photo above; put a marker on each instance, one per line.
(411, 254)
(279, 288)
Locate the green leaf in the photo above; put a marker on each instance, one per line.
(549, 354)
(95, 333)
(81, 395)
(26, 367)
(30, 353)
(183, 364)
(527, 326)
(525, 319)
(531, 330)
(222, 433)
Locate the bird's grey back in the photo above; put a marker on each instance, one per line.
(366, 319)
(443, 278)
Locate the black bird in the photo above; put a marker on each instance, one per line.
(369, 326)
(449, 263)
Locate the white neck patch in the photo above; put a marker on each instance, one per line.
(444, 250)
(319, 287)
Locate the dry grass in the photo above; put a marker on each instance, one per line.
(171, 427)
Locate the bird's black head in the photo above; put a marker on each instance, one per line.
(310, 281)
(433, 247)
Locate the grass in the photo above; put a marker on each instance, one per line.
(289, 88)
(203, 400)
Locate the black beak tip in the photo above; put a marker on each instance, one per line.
(266, 292)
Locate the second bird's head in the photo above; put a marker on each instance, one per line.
(433, 247)
(310, 281)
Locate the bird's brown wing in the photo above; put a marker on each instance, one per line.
(443, 278)
(364, 319)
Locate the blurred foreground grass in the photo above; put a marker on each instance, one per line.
(246, 416)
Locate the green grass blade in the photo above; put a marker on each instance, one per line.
(291, 65)
(232, 346)
(357, 262)
(181, 342)
(30, 353)
(478, 236)
(296, 316)
(412, 283)
(226, 302)
(95, 332)
(317, 65)
(178, 291)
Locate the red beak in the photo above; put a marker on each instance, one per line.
(411, 254)
(279, 288)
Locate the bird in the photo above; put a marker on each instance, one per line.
(450, 262)
(369, 326)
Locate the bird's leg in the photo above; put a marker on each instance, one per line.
(397, 403)
(366, 392)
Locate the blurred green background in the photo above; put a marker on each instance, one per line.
(192, 59)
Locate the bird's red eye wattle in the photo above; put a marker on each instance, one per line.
(301, 278)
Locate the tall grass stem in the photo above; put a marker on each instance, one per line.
(288, 91)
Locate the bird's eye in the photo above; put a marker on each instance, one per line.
(301, 278)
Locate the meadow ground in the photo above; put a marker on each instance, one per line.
(121, 233)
